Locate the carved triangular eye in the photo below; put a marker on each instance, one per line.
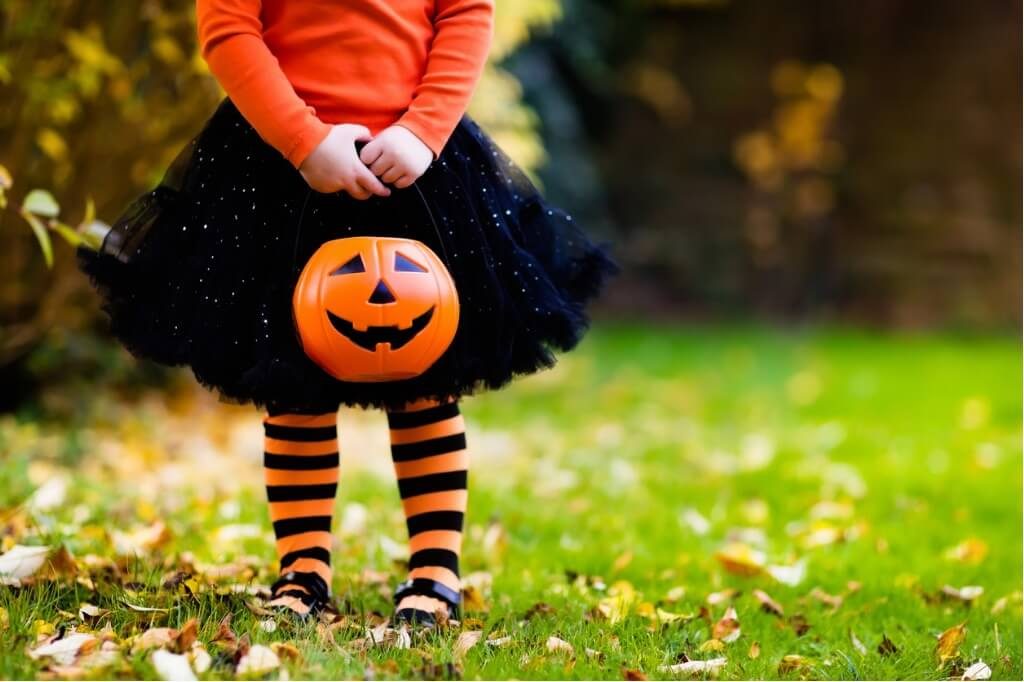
(355, 264)
(403, 264)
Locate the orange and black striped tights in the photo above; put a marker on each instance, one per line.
(428, 447)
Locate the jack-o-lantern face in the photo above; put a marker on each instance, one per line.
(375, 308)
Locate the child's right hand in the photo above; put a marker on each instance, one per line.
(335, 166)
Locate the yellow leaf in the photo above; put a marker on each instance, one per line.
(793, 663)
(712, 645)
(950, 641)
(622, 561)
(755, 650)
(971, 551)
(741, 559)
(52, 144)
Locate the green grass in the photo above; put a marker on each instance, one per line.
(588, 480)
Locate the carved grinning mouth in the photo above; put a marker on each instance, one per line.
(373, 336)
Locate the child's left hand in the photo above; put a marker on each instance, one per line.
(397, 156)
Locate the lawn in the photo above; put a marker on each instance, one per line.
(801, 504)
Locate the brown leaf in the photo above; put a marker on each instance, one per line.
(225, 636)
(835, 601)
(187, 636)
(286, 651)
(799, 624)
(716, 598)
(154, 638)
(556, 645)
(886, 646)
(466, 641)
(767, 603)
(539, 609)
(949, 643)
(630, 674)
(728, 628)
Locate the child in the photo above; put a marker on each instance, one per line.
(346, 119)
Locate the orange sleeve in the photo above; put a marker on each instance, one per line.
(231, 40)
(462, 38)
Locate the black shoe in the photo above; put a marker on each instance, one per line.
(426, 588)
(316, 595)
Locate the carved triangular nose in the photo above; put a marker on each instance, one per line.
(382, 294)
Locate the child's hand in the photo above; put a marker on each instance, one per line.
(397, 156)
(335, 166)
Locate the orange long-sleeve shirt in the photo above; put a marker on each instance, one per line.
(292, 67)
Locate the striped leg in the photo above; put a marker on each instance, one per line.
(300, 463)
(428, 446)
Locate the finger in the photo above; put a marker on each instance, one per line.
(370, 183)
(404, 181)
(362, 133)
(357, 192)
(393, 174)
(381, 166)
(372, 153)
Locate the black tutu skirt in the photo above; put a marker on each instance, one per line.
(200, 271)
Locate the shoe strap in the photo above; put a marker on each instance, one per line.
(311, 582)
(425, 587)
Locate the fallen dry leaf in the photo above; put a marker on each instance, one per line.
(799, 624)
(949, 643)
(708, 667)
(499, 642)
(141, 540)
(20, 562)
(64, 651)
(200, 658)
(791, 575)
(631, 674)
(622, 561)
(466, 641)
(970, 551)
(90, 612)
(741, 559)
(728, 628)
(620, 599)
(755, 650)
(385, 635)
(857, 644)
(965, 594)
(767, 603)
(824, 597)
(286, 651)
(154, 638)
(259, 660)
(556, 645)
(978, 671)
(712, 645)
(716, 598)
(793, 663)
(171, 666)
(886, 646)
(145, 609)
